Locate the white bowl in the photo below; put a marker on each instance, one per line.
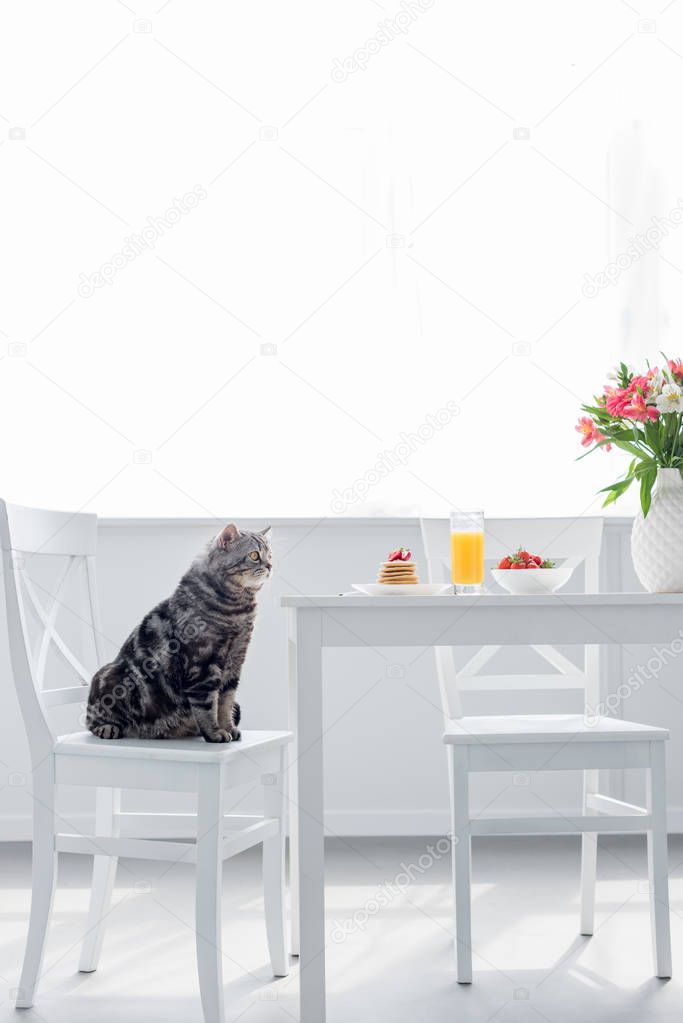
(533, 580)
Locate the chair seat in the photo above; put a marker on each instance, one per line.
(194, 750)
(521, 728)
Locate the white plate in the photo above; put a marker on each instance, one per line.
(405, 589)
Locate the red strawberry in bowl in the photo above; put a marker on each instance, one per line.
(522, 559)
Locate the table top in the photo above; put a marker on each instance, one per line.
(460, 602)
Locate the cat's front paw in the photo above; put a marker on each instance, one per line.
(220, 735)
(236, 734)
(106, 731)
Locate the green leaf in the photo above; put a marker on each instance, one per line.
(615, 490)
(624, 377)
(626, 445)
(645, 465)
(595, 447)
(653, 437)
(610, 498)
(647, 482)
(621, 486)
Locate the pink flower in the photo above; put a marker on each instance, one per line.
(590, 433)
(676, 367)
(616, 400)
(637, 409)
(629, 402)
(641, 384)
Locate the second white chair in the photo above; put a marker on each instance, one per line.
(547, 742)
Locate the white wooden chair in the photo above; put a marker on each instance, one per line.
(548, 742)
(186, 765)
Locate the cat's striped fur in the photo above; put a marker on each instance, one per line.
(177, 673)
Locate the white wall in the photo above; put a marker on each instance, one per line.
(385, 766)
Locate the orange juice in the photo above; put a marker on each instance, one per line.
(467, 557)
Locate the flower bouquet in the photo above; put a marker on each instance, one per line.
(641, 414)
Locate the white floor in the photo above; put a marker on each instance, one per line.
(390, 939)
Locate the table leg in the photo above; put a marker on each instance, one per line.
(293, 783)
(309, 811)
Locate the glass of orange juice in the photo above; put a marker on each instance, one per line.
(467, 550)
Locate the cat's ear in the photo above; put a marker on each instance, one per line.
(265, 532)
(227, 536)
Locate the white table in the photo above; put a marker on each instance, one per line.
(317, 622)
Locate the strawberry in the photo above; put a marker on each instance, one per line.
(400, 554)
(523, 559)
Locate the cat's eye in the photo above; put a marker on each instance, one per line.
(254, 555)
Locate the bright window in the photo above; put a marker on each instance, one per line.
(326, 259)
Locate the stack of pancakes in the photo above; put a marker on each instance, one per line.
(397, 573)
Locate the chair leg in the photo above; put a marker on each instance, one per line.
(44, 874)
(107, 805)
(209, 891)
(461, 854)
(589, 859)
(658, 866)
(274, 788)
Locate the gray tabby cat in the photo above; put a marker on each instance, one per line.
(177, 673)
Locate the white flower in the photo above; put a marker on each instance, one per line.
(671, 399)
(657, 383)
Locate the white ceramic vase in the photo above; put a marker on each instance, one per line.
(657, 541)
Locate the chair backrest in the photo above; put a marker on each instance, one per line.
(578, 540)
(29, 537)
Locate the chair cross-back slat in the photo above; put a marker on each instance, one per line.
(27, 534)
(556, 659)
(577, 541)
(48, 622)
(94, 606)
